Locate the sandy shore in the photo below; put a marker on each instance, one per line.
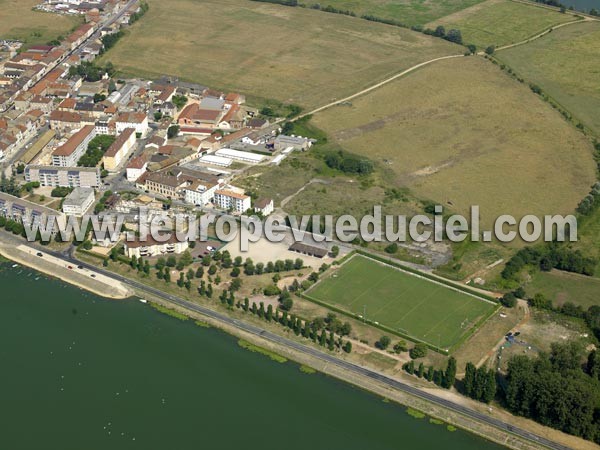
(55, 267)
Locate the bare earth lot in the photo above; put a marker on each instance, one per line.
(464, 133)
(566, 64)
(294, 55)
(18, 21)
(501, 22)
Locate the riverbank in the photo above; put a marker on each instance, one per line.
(431, 409)
(49, 265)
(411, 398)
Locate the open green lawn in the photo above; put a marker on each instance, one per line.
(566, 64)
(562, 287)
(19, 21)
(462, 132)
(401, 301)
(408, 12)
(294, 55)
(501, 22)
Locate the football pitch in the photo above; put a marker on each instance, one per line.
(403, 302)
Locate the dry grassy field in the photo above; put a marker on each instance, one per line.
(463, 133)
(19, 21)
(293, 55)
(409, 12)
(501, 22)
(566, 64)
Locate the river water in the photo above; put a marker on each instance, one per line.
(81, 372)
(582, 5)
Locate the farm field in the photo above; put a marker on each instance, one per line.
(566, 64)
(398, 300)
(562, 287)
(487, 142)
(408, 12)
(501, 22)
(267, 51)
(19, 21)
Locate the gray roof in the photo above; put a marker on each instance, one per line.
(78, 196)
(213, 104)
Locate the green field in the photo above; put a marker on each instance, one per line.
(566, 64)
(294, 55)
(562, 287)
(18, 21)
(501, 22)
(401, 301)
(484, 139)
(408, 12)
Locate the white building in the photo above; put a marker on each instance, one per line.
(264, 206)
(238, 155)
(139, 121)
(68, 154)
(231, 200)
(150, 247)
(200, 193)
(136, 168)
(78, 202)
(216, 160)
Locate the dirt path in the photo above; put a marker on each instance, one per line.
(376, 86)
(543, 33)
(286, 200)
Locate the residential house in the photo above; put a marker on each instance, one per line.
(119, 150)
(149, 247)
(232, 201)
(139, 121)
(68, 154)
(54, 176)
(264, 206)
(136, 168)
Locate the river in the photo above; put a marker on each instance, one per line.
(582, 5)
(79, 371)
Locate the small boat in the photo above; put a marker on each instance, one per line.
(143, 300)
(15, 265)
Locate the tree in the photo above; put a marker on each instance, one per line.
(335, 251)
(400, 347)
(440, 31)
(383, 342)
(206, 260)
(173, 131)
(509, 300)
(392, 248)
(171, 261)
(235, 272)
(348, 347)
(418, 351)
(472, 48)
(199, 272)
(489, 387)
(490, 50)
(212, 269)
(186, 258)
(469, 379)
(450, 374)
(454, 36)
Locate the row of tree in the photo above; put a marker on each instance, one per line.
(479, 384)
(444, 378)
(553, 255)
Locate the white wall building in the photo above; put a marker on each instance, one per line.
(231, 200)
(78, 202)
(200, 193)
(68, 154)
(149, 247)
(139, 121)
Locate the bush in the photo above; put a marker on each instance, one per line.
(383, 342)
(418, 351)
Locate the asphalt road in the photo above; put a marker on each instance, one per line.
(325, 357)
